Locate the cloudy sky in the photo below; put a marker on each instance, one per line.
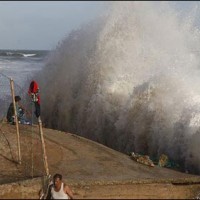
(42, 24)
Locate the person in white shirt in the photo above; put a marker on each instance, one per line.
(60, 190)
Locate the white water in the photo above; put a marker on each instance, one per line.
(130, 80)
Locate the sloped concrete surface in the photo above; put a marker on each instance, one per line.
(91, 169)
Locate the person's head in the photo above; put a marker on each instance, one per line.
(57, 180)
(17, 98)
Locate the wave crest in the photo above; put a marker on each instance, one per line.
(129, 80)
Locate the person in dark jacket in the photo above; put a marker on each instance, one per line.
(20, 112)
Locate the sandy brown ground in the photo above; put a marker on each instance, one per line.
(91, 169)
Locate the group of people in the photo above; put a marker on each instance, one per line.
(57, 189)
(21, 112)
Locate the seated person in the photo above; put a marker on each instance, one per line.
(20, 113)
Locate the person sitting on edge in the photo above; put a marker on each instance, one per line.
(60, 190)
(20, 112)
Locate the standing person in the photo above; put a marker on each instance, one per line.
(60, 190)
(20, 112)
(34, 93)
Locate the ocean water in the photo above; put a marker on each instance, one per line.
(20, 65)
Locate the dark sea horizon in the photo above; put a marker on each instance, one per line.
(21, 64)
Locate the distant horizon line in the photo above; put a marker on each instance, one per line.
(26, 49)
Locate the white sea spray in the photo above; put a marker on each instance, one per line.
(130, 80)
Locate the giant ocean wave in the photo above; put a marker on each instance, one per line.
(130, 80)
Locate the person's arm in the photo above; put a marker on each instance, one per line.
(68, 191)
(40, 193)
(24, 109)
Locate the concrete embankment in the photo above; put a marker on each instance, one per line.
(90, 169)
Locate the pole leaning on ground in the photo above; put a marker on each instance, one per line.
(16, 120)
(34, 93)
(43, 146)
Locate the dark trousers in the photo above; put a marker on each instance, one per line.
(37, 109)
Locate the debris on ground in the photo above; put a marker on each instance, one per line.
(144, 159)
(163, 160)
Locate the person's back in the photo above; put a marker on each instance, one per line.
(10, 113)
(20, 112)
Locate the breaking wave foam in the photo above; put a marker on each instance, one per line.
(129, 80)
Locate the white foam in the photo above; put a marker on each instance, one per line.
(28, 55)
(132, 81)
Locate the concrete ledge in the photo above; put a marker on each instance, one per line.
(145, 189)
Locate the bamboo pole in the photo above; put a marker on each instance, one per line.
(32, 145)
(16, 120)
(43, 146)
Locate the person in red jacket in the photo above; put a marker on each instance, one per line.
(34, 92)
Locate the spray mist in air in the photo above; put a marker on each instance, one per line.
(130, 80)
